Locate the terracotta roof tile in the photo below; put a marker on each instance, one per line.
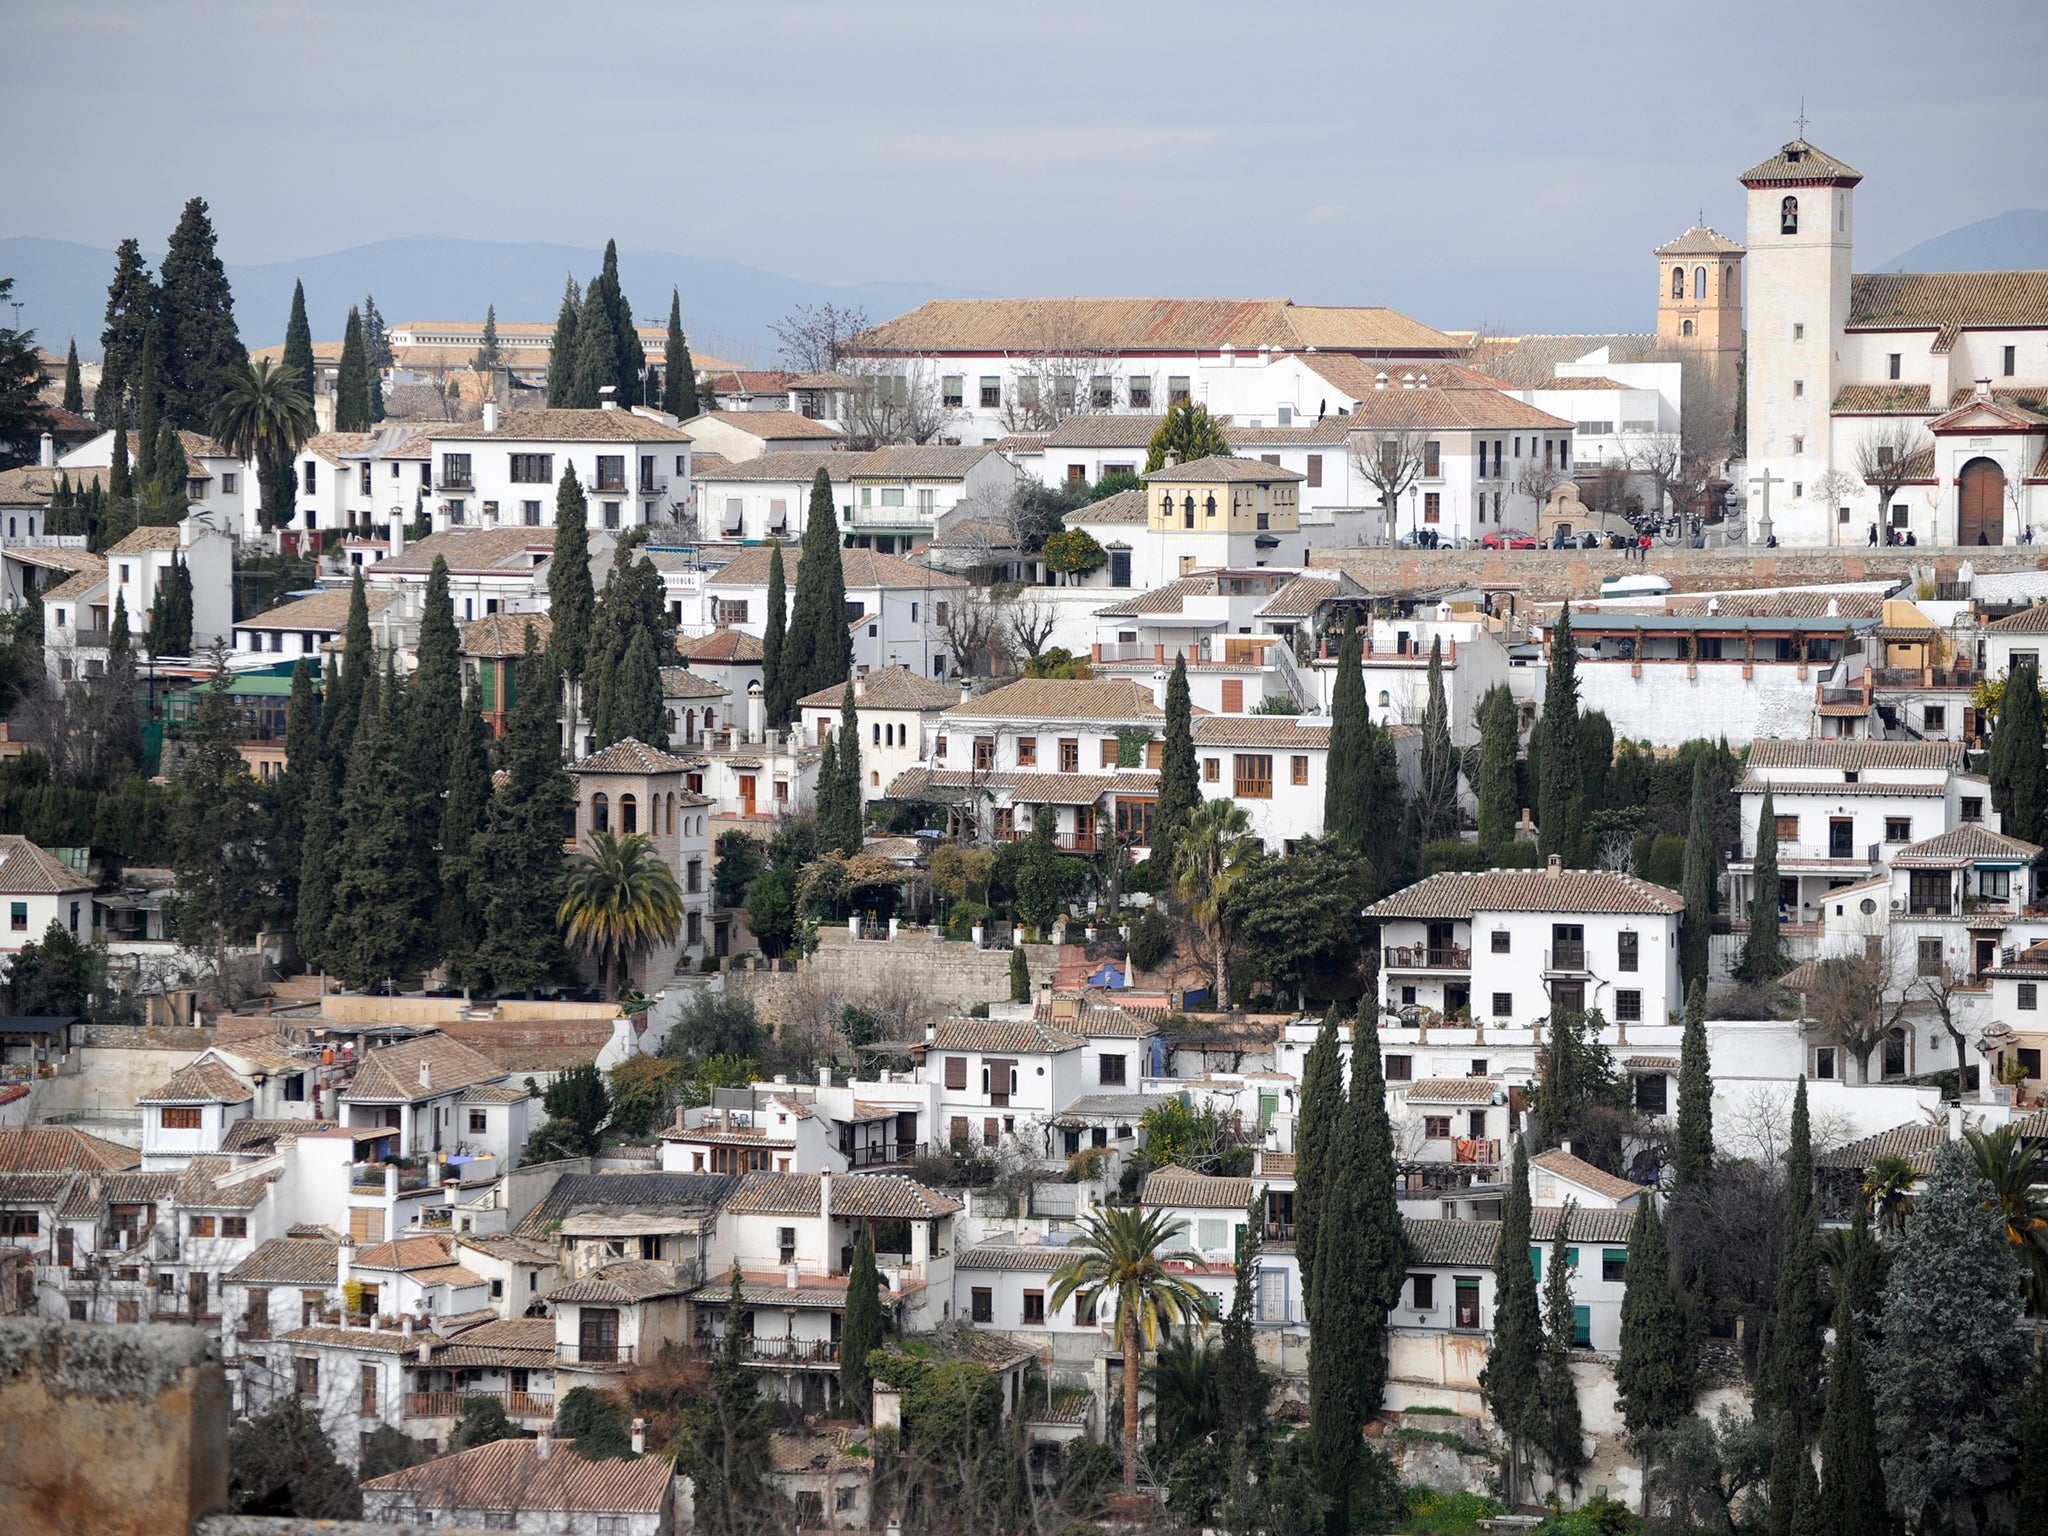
(1939, 300)
(1856, 754)
(138, 540)
(682, 683)
(1011, 325)
(770, 426)
(889, 688)
(722, 647)
(504, 634)
(1581, 1172)
(1453, 1090)
(863, 568)
(1104, 430)
(473, 549)
(1700, 241)
(1883, 400)
(877, 1196)
(630, 756)
(1224, 471)
(1002, 1037)
(392, 1072)
(1800, 164)
(1966, 844)
(306, 1261)
(622, 1284)
(323, 612)
(204, 1081)
(405, 1253)
(2031, 620)
(1458, 894)
(27, 869)
(1917, 1142)
(1281, 731)
(1123, 507)
(1184, 1187)
(514, 1475)
(567, 426)
(1040, 698)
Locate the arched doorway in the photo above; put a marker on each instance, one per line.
(1980, 503)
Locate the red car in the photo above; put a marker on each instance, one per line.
(1508, 539)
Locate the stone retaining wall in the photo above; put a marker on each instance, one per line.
(950, 977)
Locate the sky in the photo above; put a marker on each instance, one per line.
(1433, 156)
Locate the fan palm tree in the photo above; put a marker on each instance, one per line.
(1210, 857)
(264, 413)
(1183, 1383)
(1121, 1256)
(2014, 1170)
(1885, 1184)
(620, 901)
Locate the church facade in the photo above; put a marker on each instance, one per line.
(1912, 402)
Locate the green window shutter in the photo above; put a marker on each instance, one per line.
(1536, 1261)
(1571, 1257)
(1582, 1327)
(487, 685)
(1614, 1255)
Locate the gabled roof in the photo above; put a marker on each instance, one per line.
(1946, 300)
(1700, 241)
(513, 1341)
(770, 426)
(2031, 620)
(307, 1261)
(1104, 431)
(1046, 698)
(1003, 1037)
(622, 1284)
(630, 756)
(1917, 1142)
(26, 869)
(722, 647)
(890, 688)
(568, 426)
(57, 1149)
(473, 549)
(863, 568)
(1185, 1187)
(1970, 843)
(392, 1073)
(322, 612)
(1856, 753)
(875, 1196)
(405, 1253)
(141, 540)
(504, 634)
(1458, 894)
(1146, 325)
(1383, 400)
(1583, 1173)
(688, 1195)
(1453, 1090)
(1799, 164)
(1124, 507)
(1222, 470)
(682, 683)
(1281, 731)
(204, 1081)
(795, 466)
(514, 1475)
(1442, 1243)
(911, 462)
(199, 1185)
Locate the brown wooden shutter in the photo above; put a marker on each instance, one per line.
(956, 1073)
(1233, 696)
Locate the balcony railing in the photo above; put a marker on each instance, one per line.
(784, 1350)
(443, 486)
(885, 1156)
(1478, 1149)
(1279, 1231)
(1421, 957)
(619, 1355)
(447, 1405)
(1565, 957)
(368, 1178)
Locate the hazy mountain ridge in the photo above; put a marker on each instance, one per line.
(2014, 241)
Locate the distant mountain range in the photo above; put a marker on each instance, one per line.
(2014, 241)
(727, 306)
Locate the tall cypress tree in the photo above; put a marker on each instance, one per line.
(1790, 1461)
(630, 362)
(1692, 1146)
(375, 341)
(1763, 955)
(2030, 1487)
(1337, 1366)
(1242, 1388)
(131, 305)
(1509, 1378)
(123, 750)
(1657, 1377)
(1789, 1382)
(1315, 1133)
(1382, 1243)
(462, 818)
(298, 340)
(1563, 1430)
(862, 1333)
(295, 789)
(1344, 791)
(1180, 791)
(376, 927)
(197, 310)
(679, 374)
(1499, 744)
(572, 600)
(119, 484)
(488, 359)
(1436, 797)
(848, 834)
(431, 733)
(1851, 1477)
(316, 861)
(1696, 928)
(825, 799)
(516, 881)
(562, 350)
(1559, 808)
(2018, 773)
(597, 349)
(74, 390)
(345, 692)
(776, 696)
(817, 652)
(352, 380)
(170, 627)
(632, 705)
(149, 399)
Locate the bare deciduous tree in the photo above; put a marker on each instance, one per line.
(1390, 454)
(1060, 374)
(1889, 456)
(813, 337)
(896, 400)
(1833, 491)
(976, 632)
(1856, 1000)
(1030, 622)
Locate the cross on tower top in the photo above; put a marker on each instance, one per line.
(1801, 119)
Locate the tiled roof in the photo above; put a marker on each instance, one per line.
(795, 466)
(199, 1185)
(1220, 470)
(1123, 507)
(1328, 432)
(890, 688)
(875, 1196)
(474, 549)
(1161, 599)
(1104, 431)
(1700, 241)
(2031, 620)
(494, 1093)
(1754, 785)
(322, 612)
(126, 1186)
(55, 1149)
(566, 426)
(1023, 788)
(1800, 164)
(1966, 844)
(19, 1189)
(622, 1284)
(1282, 731)
(88, 580)
(773, 426)
(682, 683)
(1774, 605)
(1942, 300)
(382, 1341)
(912, 462)
(259, 1138)
(774, 1290)
(807, 1451)
(504, 634)
(1448, 403)
(1583, 381)
(1002, 1037)
(26, 869)
(1917, 1142)
(1581, 1172)
(140, 540)
(1168, 325)
(1030, 1258)
(1045, 698)
(630, 756)
(334, 446)
(1768, 752)
(720, 647)
(307, 1261)
(1093, 1016)
(393, 1071)
(686, 1194)
(1068, 1405)
(1531, 362)
(1458, 894)
(1453, 1090)
(1184, 1187)
(505, 1247)
(201, 1082)
(514, 1475)
(515, 1341)
(1883, 400)
(405, 1253)
(863, 568)
(1450, 1244)
(1300, 598)
(1666, 1064)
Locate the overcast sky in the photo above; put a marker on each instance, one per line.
(1340, 152)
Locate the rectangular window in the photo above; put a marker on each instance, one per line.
(533, 469)
(307, 1374)
(1927, 958)
(1101, 392)
(1034, 1307)
(1432, 506)
(952, 391)
(1892, 365)
(2011, 360)
(991, 393)
(17, 916)
(1503, 1004)
(455, 471)
(1799, 389)
(234, 1226)
(312, 476)
(1315, 471)
(1501, 941)
(1006, 823)
(1253, 778)
(478, 1124)
(1436, 1127)
(982, 1304)
(1614, 1265)
(2028, 995)
(611, 472)
(1927, 893)
(1651, 1091)
(1027, 751)
(181, 1117)
(1112, 1069)
(1176, 388)
(1070, 754)
(1423, 1292)
(1141, 392)
(1934, 717)
(984, 752)
(1300, 768)
(1824, 1063)
(1432, 460)
(1582, 1327)
(956, 1073)
(1628, 951)
(1400, 1069)
(228, 482)
(199, 1226)
(1628, 1007)
(1973, 808)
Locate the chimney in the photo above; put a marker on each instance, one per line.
(540, 1443)
(1159, 687)
(1983, 389)
(1379, 381)
(1172, 459)
(46, 455)
(789, 1278)
(1564, 1146)
(639, 1437)
(825, 1205)
(1834, 607)
(824, 1077)
(860, 683)
(405, 1326)
(608, 397)
(756, 712)
(490, 416)
(426, 1077)
(1556, 867)
(344, 1257)
(397, 533)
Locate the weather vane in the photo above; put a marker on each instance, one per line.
(1801, 119)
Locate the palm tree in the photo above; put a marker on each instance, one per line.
(1183, 1383)
(265, 414)
(620, 901)
(2014, 1169)
(1885, 1185)
(1122, 1256)
(1210, 857)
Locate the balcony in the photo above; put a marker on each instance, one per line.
(784, 1350)
(1565, 959)
(443, 487)
(653, 485)
(1421, 957)
(448, 1405)
(609, 485)
(368, 1178)
(1077, 842)
(887, 1155)
(599, 1356)
(1484, 1150)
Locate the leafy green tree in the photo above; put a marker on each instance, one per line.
(595, 1422)
(131, 305)
(1499, 744)
(1852, 1477)
(170, 630)
(817, 653)
(1243, 1390)
(2030, 1486)
(377, 929)
(387, 1450)
(2018, 772)
(481, 1422)
(1180, 792)
(620, 901)
(776, 697)
(1692, 1145)
(678, 373)
(1188, 433)
(1563, 1436)
(578, 1097)
(53, 977)
(562, 351)
(197, 311)
(1316, 1129)
(431, 731)
(1790, 1462)
(376, 342)
(265, 413)
(630, 364)
(1944, 1370)
(1789, 1381)
(1074, 552)
(772, 909)
(632, 705)
(1210, 856)
(298, 335)
(121, 739)
(738, 861)
(845, 830)
(1763, 954)
(280, 1463)
(74, 390)
(862, 1334)
(1297, 921)
(1509, 1379)
(1696, 927)
(463, 813)
(725, 1430)
(1657, 1377)
(22, 417)
(642, 1088)
(1559, 805)
(1119, 1257)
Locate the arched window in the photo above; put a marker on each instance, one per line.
(600, 812)
(1187, 510)
(1699, 282)
(878, 733)
(1727, 285)
(671, 722)
(1209, 505)
(629, 815)
(1678, 282)
(1166, 507)
(10, 527)
(1386, 699)
(1788, 216)
(1686, 329)
(671, 815)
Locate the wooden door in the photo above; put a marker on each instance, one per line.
(1980, 504)
(747, 794)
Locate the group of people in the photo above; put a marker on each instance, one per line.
(1893, 536)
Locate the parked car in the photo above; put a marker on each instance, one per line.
(1509, 539)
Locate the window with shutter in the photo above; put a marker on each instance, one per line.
(956, 1073)
(1233, 696)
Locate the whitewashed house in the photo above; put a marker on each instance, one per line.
(896, 612)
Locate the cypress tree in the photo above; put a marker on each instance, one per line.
(1315, 1133)
(1789, 1459)
(2016, 766)
(488, 358)
(1377, 1220)
(434, 695)
(1692, 1146)
(1563, 1430)
(301, 765)
(850, 833)
(1436, 798)
(562, 350)
(131, 304)
(74, 391)
(1344, 788)
(516, 881)
(298, 340)
(1242, 1390)
(2030, 1488)
(572, 601)
(1790, 1383)
(1499, 743)
(1020, 976)
(632, 703)
(1180, 791)
(1763, 956)
(1851, 1477)
(462, 818)
(149, 399)
(862, 1332)
(1696, 928)
(352, 381)
(1558, 804)
(1657, 1376)
(197, 310)
(817, 652)
(345, 691)
(1509, 1378)
(1337, 1366)
(316, 862)
(597, 349)
(375, 342)
(119, 485)
(679, 374)
(825, 801)
(170, 628)
(168, 476)
(1808, 1519)
(123, 753)
(777, 698)
(375, 928)
(630, 363)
